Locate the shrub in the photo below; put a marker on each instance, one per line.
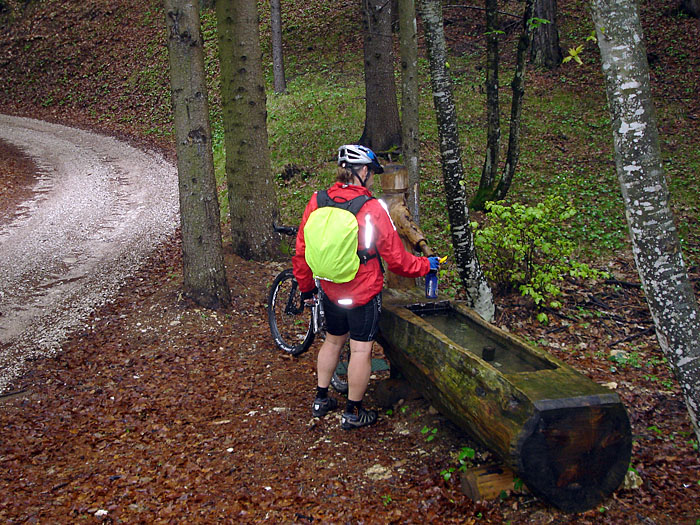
(526, 248)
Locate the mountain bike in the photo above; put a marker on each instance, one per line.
(294, 325)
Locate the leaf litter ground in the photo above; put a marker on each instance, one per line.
(158, 411)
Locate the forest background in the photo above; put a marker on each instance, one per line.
(103, 65)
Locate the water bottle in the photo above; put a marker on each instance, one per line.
(431, 285)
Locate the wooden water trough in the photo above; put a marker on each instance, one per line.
(565, 436)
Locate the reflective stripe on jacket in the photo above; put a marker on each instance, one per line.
(375, 229)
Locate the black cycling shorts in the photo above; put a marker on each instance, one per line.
(362, 321)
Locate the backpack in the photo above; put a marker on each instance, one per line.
(331, 237)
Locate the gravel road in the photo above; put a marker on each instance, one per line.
(99, 209)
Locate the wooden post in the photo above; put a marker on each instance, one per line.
(395, 186)
(488, 482)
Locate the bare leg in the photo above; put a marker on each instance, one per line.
(359, 368)
(328, 356)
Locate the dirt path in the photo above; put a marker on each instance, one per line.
(99, 206)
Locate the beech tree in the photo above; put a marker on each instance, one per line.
(655, 244)
(489, 171)
(479, 295)
(409, 102)
(251, 191)
(202, 253)
(382, 130)
(545, 50)
(692, 7)
(280, 81)
(491, 188)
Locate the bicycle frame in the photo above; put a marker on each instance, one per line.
(318, 317)
(290, 308)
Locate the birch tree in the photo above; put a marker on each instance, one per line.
(655, 243)
(478, 293)
(408, 43)
(202, 253)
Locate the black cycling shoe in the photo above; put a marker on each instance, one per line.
(360, 419)
(321, 407)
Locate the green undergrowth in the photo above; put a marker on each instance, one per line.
(566, 152)
(566, 141)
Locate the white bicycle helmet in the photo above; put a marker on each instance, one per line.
(354, 154)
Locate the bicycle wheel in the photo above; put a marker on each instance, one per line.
(290, 324)
(339, 381)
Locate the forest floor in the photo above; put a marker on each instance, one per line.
(159, 411)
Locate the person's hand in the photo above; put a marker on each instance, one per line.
(308, 297)
(434, 264)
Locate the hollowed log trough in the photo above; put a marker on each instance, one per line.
(565, 436)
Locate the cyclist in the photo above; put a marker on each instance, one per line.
(352, 308)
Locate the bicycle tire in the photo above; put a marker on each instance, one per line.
(289, 320)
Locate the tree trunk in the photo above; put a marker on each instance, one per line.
(516, 108)
(478, 293)
(203, 263)
(545, 40)
(382, 131)
(409, 103)
(491, 187)
(692, 7)
(277, 55)
(251, 190)
(493, 117)
(655, 243)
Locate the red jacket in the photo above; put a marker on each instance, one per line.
(369, 279)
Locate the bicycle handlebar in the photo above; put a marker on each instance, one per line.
(287, 230)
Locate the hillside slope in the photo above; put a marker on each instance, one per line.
(157, 411)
